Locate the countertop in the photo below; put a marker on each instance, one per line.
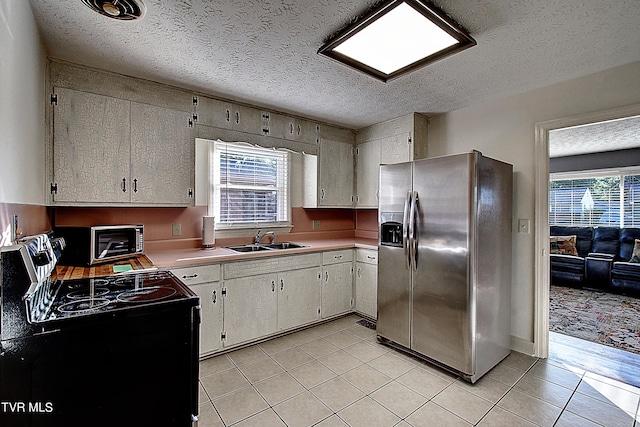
(196, 256)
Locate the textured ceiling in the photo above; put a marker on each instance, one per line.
(264, 51)
(596, 137)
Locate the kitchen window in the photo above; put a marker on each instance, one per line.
(249, 186)
(610, 198)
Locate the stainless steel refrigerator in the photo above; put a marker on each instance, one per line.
(444, 260)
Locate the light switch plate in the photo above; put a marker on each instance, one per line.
(176, 229)
(524, 226)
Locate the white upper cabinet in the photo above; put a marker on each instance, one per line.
(367, 171)
(109, 151)
(91, 148)
(329, 176)
(162, 140)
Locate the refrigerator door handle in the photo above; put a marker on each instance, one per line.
(405, 231)
(413, 240)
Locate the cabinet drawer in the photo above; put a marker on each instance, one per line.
(272, 264)
(200, 274)
(335, 257)
(367, 256)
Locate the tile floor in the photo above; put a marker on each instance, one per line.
(337, 374)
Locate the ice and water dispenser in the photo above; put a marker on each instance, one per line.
(391, 229)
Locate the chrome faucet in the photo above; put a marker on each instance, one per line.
(259, 237)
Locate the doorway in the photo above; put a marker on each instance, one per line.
(542, 269)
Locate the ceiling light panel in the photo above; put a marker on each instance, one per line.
(396, 37)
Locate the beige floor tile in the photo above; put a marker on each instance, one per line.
(247, 355)
(505, 374)
(302, 410)
(611, 381)
(328, 328)
(555, 374)
(332, 421)
(208, 416)
(360, 331)
(203, 397)
(498, 417)
(462, 403)
(365, 351)
(337, 394)
(599, 412)
(608, 393)
(311, 374)
(530, 408)
(391, 365)
(239, 405)
(277, 345)
(431, 415)
(303, 337)
(423, 382)
(543, 389)
(319, 348)
(568, 419)
(340, 362)
(267, 418)
(214, 365)
(224, 382)
(366, 378)
(291, 358)
(485, 388)
(519, 361)
(279, 388)
(367, 412)
(260, 370)
(343, 339)
(398, 399)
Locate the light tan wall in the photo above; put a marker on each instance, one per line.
(505, 129)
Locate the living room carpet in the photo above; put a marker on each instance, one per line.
(605, 318)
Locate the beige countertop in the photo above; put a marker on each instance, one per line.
(195, 256)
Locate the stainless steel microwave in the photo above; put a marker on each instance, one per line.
(100, 243)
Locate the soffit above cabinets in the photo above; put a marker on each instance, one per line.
(265, 53)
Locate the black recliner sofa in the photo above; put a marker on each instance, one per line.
(600, 260)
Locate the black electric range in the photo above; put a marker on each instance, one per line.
(118, 350)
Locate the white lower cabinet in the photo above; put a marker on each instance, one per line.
(250, 308)
(337, 282)
(298, 297)
(366, 279)
(205, 282)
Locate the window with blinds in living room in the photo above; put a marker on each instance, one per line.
(249, 186)
(609, 198)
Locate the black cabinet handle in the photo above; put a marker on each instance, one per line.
(124, 185)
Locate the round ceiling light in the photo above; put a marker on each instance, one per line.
(126, 10)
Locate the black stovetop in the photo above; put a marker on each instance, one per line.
(76, 298)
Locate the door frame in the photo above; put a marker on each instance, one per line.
(542, 268)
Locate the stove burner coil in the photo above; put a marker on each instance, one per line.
(153, 293)
(87, 294)
(84, 305)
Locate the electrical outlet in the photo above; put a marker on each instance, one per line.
(316, 224)
(523, 226)
(176, 229)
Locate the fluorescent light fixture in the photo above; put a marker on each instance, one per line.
(397, 37)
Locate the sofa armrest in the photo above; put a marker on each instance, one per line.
(598, 271)
(600, 255)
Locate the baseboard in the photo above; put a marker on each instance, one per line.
(522, 346)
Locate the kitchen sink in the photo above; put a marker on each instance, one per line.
(265, 247)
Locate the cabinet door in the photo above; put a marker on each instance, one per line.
(367, 289)
(213, 112)
(250, 308)
(367, 170)
(298, 298)
(162, 156)
(336, 173)
(91, 137)
(396, 149)
(246, 119)
(211, 325)
(337, 289)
